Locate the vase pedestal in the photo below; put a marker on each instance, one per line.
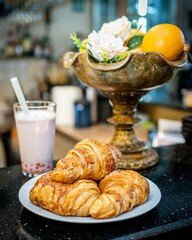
(135, 154)
(138, 160)
(124, 83)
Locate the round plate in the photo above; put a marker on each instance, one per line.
(152, 201)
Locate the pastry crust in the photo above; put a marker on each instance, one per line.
(64, 199)
(121, 191)
(73, 188)
(90, 159)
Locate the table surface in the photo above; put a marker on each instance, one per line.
(102, 132)
(170, 219)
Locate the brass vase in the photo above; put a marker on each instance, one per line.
(124, 83)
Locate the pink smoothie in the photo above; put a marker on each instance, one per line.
(36, 134)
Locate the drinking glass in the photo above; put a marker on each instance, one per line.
(36, 136)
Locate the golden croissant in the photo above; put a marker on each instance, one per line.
(64, 199)
(90, 159)
(121, 191)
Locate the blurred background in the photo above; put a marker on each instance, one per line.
(34, 35)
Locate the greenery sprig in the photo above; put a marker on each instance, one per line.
(80, 44)
(120, 57)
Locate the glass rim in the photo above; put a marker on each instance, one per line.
(36, 104)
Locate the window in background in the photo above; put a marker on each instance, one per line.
(145, 12)
(103, 11)
(151, 12)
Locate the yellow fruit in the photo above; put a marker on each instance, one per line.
(166, 39)
(135, 50)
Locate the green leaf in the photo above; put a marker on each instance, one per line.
(76, 40)
(135, 41)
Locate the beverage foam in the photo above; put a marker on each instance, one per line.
(35, 115)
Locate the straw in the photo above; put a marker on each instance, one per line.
(19, 94)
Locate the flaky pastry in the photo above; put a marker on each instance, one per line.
(64, 199)
(87, 183)
(121, 191)
(90, 159)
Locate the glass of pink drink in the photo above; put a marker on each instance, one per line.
(36, 136)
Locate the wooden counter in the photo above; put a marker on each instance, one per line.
(102, 132)
(67, 136)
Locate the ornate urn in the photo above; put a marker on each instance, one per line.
(124, 83)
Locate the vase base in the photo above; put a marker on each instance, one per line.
(138, 160)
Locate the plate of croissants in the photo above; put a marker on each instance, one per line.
(86, 187)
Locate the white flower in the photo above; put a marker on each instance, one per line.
(121, 27)
(105, 46)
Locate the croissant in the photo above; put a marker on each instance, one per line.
(90, 159)
(64, 199)
(121, 191)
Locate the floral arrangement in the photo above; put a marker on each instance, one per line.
(112, 43)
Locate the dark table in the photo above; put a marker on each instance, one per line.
(170, 219)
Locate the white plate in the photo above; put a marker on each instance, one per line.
(153, 200)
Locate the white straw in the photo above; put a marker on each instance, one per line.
(19, 94)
